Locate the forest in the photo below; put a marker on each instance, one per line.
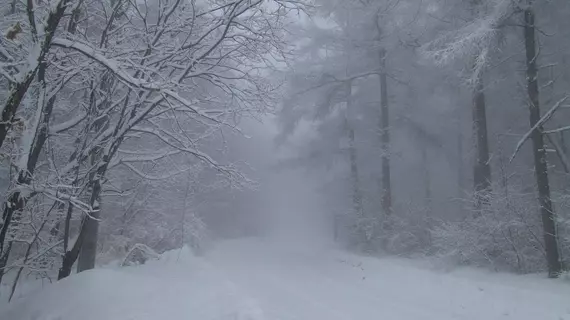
(439, 128)
(432, 129)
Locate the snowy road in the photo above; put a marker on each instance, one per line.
(260, 280)
(332, 285)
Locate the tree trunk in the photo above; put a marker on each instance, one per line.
(563, 142)
(385, 137)
(426, 178)
(460, 159)
(17, 201)
(14, 203)
(481, 167)
(20, 89)
(357, 209)
(4, 260)
(70, 256)
(88, 251)
(539, 149)
(356, 192)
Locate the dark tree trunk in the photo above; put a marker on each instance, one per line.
(481, 167)
(90, 234)
(563, 145)
(385, 137)
(426, 178)
(460, 159)
(356, 192)
(71, 256)
(66, 265)
(20, 89)
(16, 201)
(539, 149)
(84, 250)
(88, 253)
(4, 259)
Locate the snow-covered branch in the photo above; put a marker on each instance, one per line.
(547, 116)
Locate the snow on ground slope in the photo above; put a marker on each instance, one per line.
(255, 280)
(333, 285)
(179, 286)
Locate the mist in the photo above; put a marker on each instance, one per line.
(284, 159)
(287, 207)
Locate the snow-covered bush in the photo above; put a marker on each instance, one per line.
(157, 231)
(565, 276)
(139, 254)
(406, 232)
(505, 235)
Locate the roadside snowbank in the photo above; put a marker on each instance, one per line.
(260, 279)
(177, 286)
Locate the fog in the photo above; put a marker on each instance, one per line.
(288, 207)
(284, 150)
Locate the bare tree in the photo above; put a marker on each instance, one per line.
(539, 147)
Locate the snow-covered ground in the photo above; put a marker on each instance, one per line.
(259, 279)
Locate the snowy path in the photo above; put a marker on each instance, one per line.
(332, 285)
(258, 280)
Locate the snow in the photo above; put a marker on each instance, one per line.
(67, 124)
(110, 64)
(256, 279)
